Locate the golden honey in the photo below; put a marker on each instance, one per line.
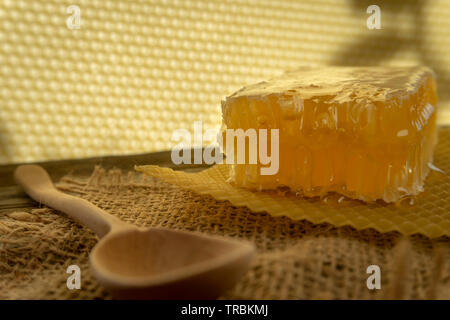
(364, 132)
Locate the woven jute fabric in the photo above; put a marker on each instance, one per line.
(294, 260)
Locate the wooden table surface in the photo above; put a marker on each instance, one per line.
(12, 197)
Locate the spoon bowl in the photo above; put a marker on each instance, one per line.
(155, 263)
(146, 263)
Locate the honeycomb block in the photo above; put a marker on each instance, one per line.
(364, 132)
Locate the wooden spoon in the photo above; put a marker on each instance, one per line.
(146, 263)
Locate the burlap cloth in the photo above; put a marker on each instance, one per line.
(295, 260)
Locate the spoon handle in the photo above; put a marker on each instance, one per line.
(38, 185)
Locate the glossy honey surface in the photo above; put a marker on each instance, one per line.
(364, 132)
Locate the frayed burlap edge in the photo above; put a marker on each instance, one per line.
(294, 260)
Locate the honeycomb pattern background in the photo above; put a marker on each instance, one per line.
(137, 70)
